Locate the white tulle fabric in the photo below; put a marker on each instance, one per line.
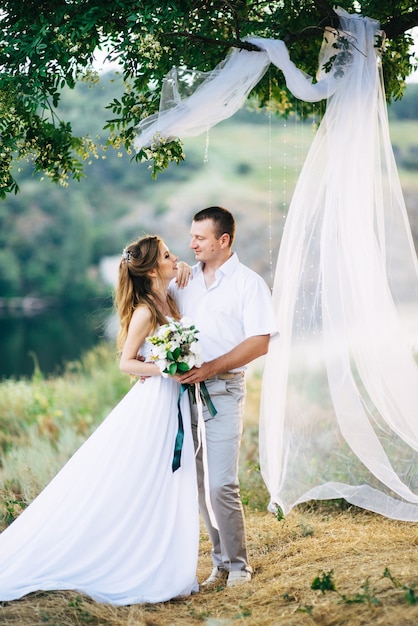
(215, 96)
(339, 409)
(115, 523)
(340, 388)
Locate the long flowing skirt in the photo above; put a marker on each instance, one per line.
(116, 522)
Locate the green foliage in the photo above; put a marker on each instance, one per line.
(325, 582)
(13, 508)
(45, 253)
(409, 592)
(49, 45)
(406, 108)
(52, 237)
(162, 154)
(367, 594)
(82, 613)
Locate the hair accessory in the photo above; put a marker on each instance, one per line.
(126, 255)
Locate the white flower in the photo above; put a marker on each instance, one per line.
(175, 347)
(160, 351)
(196, 351)
(186, 322)
(163, 365)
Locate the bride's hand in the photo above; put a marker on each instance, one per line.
(142, 379)
(184, 274)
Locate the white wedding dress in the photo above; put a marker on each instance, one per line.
(116, 523)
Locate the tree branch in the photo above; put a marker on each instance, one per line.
(236, 17)
(327, 12)
(234, 43)
(393, 28)
(400, 24)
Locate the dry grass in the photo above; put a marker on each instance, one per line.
(287, 556)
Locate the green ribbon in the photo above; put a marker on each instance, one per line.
(178, 444)
(206, 399)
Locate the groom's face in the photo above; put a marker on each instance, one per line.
(204, 243)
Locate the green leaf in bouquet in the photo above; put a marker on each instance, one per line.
(172, 369)
(170, 356)
(176, 354)
(182, 367)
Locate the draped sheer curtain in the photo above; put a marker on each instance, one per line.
(339, 406)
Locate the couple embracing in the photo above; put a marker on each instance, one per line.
(117, 522)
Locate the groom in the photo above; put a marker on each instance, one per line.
(232, 308)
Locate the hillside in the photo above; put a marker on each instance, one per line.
(248, 164)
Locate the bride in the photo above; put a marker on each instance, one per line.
(116, 523)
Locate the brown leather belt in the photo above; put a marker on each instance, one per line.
(227, 376)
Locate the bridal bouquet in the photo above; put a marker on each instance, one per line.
(176, 348)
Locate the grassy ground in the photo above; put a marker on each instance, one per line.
(349, 548)
(324, 564)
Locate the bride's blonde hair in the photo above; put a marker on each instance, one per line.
(134, 285)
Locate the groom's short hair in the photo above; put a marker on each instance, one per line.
(223, 220)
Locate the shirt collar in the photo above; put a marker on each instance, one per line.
(226, 268)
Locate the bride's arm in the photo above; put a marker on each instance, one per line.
(139, 329)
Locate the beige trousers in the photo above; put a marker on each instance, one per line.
(223, 439)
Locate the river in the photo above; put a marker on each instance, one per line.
(51, 338)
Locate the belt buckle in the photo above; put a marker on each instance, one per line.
(227, 375)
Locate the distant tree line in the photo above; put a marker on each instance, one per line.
(52, 237)
(407, 107)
